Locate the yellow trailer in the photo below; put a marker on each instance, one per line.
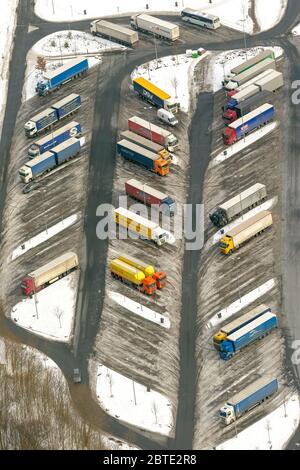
(146, 268)
(131, 275)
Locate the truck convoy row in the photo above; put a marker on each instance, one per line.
(248, 64)
(270, 80)
(73, 129)
(243, 77)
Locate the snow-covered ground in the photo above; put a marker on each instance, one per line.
(140, 310)
(172, 74)
(296, 30)
(268, 17)
(50, 313)
(7, 30)
(241, 303)
(132, 402)
(44, 236)
(271, 432)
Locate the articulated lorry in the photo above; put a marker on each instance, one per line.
(244, 232)
(248, 123)
(155, 95)
(155, 26)
(49, 160)
(58, 77)
(73, 129)
(49, 273)
(250, 73)
(248, 64)
(231, 114)
(143, 227)
(150, 196)
(154, 133)
(146, 144)
(138, 274)
(43, 121)
(238, 205)
(251, 396)
(270, 80)
(114, 32)
(150, 160)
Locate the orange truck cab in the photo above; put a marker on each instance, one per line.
(161, 279)
(148, 286)
(162, 166)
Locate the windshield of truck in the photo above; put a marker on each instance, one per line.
(173, 119)
(223, 245)
(223, 414)
(23, 172)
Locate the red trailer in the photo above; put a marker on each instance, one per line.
(149, 196)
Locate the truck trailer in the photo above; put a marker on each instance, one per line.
(247, 84)
(252, 121)
(248, 64)
(251, 396)
(150, 160)
(155, 95)
(245, 232)
(58, 77)
(49, 160)
(42, 122)
(114, 32)
(238, 323)
(73, 129)
(150, 196)
(238, 205)
(49, 273)
(154, 133)
(250, 73)
(146, 144)
(256, 329)
(268, 81)
(143, 227)
(155, 26)
(231, 114)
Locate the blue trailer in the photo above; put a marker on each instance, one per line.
(73, 129)
(257, 118)
(55, 79)
(150, 160)
(66, 150)
(241, 338)
(43, 121)
(251, 396)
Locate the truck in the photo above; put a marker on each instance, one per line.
(248, 64)
(41, 122)
(270, 80)
(143, 227)
(231, 114)
(53, 80)
(137, 273)
(73, 129)
(154, 133)
(238, 205)
(49, 273)
(146, 144)
(49, 160)
(242, 337)
(252, 396)
(150, 196)
(114, 32)
(250, 73)
(245, 232)
(150, 160)
(154, 95)
(247, 84)
(246, 124)
(238, 323)
(155, 26)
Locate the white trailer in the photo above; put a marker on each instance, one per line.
(114, 32)
(155, 26)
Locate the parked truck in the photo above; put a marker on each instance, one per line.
(53, 80)
(150, 196)
(245, 232)
(248, 64)
(250, 73)
(138, 274)
(49, 273)
(247, 84)
(143, 227)
(238, 205)
(146, 144)
(114, 32)
(231, 114)
(154, 133)
(42, 122)
(73, 129)
(243, 126)
(155, 95)
(150, 160)
(251, 396)
(270, 80)
(256, 329)
(49, 160)
(155, 26)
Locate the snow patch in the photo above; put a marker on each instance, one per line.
(268, 17)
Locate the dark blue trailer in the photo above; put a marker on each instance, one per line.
(150, 160)
(73, 129)
(68, 105)
(66, 150)
(53, 80)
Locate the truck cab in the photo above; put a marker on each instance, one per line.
(93, 27)
(42, 87)
(168, 206)
(30, 129)
(27, 286)
(161, 279)
(229, 136)
(160, 237)
(162, 167)
(172, 143)
(149, 285)
(227, 414)
(226, 245)
(172, 106)
(230, 115)
(25, 174)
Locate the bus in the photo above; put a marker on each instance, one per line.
(200, 19)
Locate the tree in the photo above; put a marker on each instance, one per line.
(58, 312)
(174, 82)
(41, 64)
(155, 410)
(66, 45)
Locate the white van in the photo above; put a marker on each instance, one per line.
(167, 117)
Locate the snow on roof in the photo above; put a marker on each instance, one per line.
(53, 73)
(251, 326)
(244, 318)
(257, 385)
(240, 197)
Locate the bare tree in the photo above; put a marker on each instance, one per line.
(58, 312)
(155, 410)
(40, 63)
(174, 82)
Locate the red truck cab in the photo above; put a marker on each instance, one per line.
(28, 286)
(161, 279)
(230, 116)
(229, 136)
(149, 285)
